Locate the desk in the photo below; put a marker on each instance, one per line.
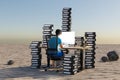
(81, 48)
(81, 54)
(72, 48)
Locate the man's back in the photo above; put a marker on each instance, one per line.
(52, 43)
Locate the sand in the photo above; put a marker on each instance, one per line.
(21, 70)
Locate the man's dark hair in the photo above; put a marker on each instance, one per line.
(58, 31)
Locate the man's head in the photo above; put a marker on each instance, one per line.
(58, 32)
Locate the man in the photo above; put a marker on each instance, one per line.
(52, 43)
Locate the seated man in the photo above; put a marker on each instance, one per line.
(52, 43)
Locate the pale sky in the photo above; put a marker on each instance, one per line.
(22, 20)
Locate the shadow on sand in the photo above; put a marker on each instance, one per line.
(19, 72)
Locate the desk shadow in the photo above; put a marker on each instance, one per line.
(21, 72)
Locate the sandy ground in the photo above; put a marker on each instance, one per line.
(21, 70)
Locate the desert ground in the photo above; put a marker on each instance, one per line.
(21, 70)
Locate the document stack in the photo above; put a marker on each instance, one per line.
(66, 19)
(47, 32)
(79, 41)
(79, 53)
(36, 54)
(70, 64)
(90, 52)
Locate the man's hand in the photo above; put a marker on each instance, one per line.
(61, 46)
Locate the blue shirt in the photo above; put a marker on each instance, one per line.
(52, 43)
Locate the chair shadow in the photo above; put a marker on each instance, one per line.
(27, 71)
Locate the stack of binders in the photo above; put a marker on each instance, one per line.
(36, 54)
(70, 64)
(79, 53)
(66, 19)
(79, 41)
(90, 52)
(47, 32)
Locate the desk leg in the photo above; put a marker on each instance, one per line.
(81, 59)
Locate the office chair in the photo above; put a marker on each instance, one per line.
(50, 50)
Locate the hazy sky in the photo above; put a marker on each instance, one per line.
(24, 19)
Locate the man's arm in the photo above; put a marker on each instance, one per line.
(61, 46)
(60, 42)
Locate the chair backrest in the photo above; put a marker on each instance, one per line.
(48, 38)
(53, 52)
